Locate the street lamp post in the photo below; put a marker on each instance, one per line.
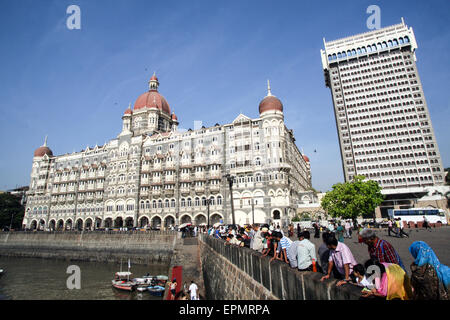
(230, 183)
(208, 202)
(10, 224)
(253, 212)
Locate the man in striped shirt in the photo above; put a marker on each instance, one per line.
(282, 246)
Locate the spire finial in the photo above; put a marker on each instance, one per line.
(153, 83)
(129, 105)
(45, 141)
(269, 93)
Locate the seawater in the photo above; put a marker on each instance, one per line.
(45, 279)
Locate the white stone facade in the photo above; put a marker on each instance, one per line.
(153, 173)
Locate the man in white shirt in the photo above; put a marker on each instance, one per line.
(347, 227)
(193, 290)
(306, 252)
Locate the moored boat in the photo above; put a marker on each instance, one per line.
(122, 281)
(156, 290)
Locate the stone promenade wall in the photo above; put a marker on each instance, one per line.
(231, 272)
(142, 247)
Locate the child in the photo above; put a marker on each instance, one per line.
(359, 276)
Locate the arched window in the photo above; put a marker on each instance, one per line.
(219, 200)
(183, 202)
(406, 39)
(172, 203)
(189, 202)
(166, 203)
(197, 201)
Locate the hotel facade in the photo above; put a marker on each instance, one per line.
(382, 118)
(155, 174)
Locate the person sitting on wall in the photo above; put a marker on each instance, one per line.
(281, 247)
(268, 245)
(341, 257)
(306, 253)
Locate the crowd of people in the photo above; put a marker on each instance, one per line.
(383, 275)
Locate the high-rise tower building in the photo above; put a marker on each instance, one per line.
(383, 123)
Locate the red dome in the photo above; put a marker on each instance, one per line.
(128, 111)
(152, 99)
(154, 77)
(41, 151)
(306, 158)
(270, 103)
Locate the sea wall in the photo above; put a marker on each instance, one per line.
(231, 272)
(142, 247)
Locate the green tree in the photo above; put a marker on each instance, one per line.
(350, 200)
(9, 205)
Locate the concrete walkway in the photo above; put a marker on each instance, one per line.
(187, 254)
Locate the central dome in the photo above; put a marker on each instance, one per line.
(152, 98)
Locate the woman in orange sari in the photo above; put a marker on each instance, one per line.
(392, 282)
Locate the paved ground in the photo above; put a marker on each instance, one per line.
(438, 240)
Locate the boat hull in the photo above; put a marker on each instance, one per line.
(124, 286)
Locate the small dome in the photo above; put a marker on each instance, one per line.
(270, 103)
(128, 111)
(174, 117)
(154, 77)
(41, 151)
(306, 158)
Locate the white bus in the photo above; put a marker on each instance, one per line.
(416, 215)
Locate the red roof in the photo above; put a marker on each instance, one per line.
(306, 158)
(270, 103)
(152, 99)
(41, 151)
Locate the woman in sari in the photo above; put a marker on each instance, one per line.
(392, 282)
(430, 278)
(340, 233)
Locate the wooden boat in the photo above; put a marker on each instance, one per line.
(141, 288)
(156, 290)
(122, 281)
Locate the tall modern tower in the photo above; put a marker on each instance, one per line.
(383, 123)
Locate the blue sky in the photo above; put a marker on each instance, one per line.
(212, 58)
